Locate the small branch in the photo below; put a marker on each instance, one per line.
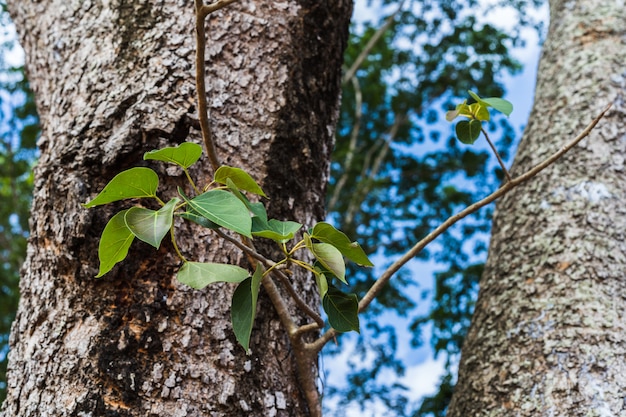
(386, 275)
(495, 152)
(319, 322)
(205, 127)
(370, 45)
(210, 8)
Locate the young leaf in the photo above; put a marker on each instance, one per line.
(468, 131)
(325, 232)
(223, 208)
(342, 310)
(149, 225)
(329, 256)
(114, 243)
(243, 307)
(132, 183)
(198, 274)
(239, 177)
(322, 284)
(185, 155)
(275, 229)
(479, 112)
(499, 104)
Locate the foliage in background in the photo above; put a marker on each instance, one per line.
(18, 132)
(385, 191)
(397, 173)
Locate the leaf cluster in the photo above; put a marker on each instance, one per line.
(222, 204)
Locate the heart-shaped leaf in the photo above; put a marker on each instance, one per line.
(276, 230)
(132, 183)
(243, 307)
(185, 155)
(329, 256)
(342, 310)
(239, 177)
(223, 208)
(149, 225)
(114, 243)
(200, 274)
(468, 131)
(325, 232)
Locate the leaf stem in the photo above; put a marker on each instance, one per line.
(173, 237)
(495, 152)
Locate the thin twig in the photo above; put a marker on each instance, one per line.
(280, 275)
(495, 152)
(203, 110)
(210, 8)
(386, 276)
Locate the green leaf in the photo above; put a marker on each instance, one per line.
(133, 183)
(184, 155)
(198, 274)
(198, 219)
(479, 112)
(322, 284)
(342, 310)
(243, 307)
(276, 230)
(149, 225)
(114, 243)
(223, 208)
(239, 177)
(468, 131)
(499, 104)
(325, 232)
(329, 256)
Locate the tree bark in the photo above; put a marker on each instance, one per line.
(114, 79)
(548, 337)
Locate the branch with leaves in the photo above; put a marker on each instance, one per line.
(222, 205)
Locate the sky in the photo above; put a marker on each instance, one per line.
(423, 370)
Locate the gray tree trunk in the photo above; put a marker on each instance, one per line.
(548, 337)
(114, 79)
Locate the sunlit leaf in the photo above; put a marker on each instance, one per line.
(223, 208)
(327, 233)
(184, 155)
(342, 310)
(329, 256)
(114, 243)
(133, 183)
(200, 274)
(243, 307)
(239, 177)
(149, 225)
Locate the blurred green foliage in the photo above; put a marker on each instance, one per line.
(397, 173)
(19, 128)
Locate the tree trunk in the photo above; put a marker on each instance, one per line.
(114, 79)
(548, 337)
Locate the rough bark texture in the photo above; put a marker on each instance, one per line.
(113, 79)
(549, 333)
